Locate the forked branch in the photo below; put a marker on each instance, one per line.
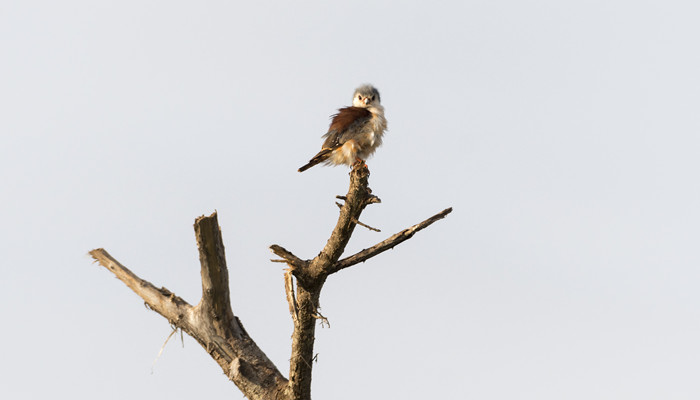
(211, 322)
(312, 274)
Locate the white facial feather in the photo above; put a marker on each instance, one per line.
(365, 96)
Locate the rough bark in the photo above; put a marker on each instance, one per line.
(212, 321)
(312, 274)
(389, 243)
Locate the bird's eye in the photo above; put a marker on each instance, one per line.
(359, 97)
(372, 98)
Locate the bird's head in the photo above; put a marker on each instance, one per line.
(366, 96)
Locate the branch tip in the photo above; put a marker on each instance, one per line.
(287, 256)
(388, 243)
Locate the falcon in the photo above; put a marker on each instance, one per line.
(355, 132)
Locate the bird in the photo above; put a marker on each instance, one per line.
(355, 132)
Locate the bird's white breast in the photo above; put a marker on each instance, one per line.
(372, 135)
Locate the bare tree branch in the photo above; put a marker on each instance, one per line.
(289, 291)
(289, 258)
(211, 322)
(356, 221)
(310, 279)
(367, 226)
(311, 275)
(356, 200)
(162, 301)
(216, 297)
(389, 243)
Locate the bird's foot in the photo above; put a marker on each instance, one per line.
(359, 163)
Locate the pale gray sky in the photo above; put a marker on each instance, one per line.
(564, 134)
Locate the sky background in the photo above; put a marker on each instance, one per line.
(564, 134)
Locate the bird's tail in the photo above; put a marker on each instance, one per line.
(322, 156)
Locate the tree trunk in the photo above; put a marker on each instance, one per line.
(213, 324)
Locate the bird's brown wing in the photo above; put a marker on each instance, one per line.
(342, 127)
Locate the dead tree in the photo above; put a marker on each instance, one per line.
(212, 322)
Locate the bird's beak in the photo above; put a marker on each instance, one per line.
(366, 100)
